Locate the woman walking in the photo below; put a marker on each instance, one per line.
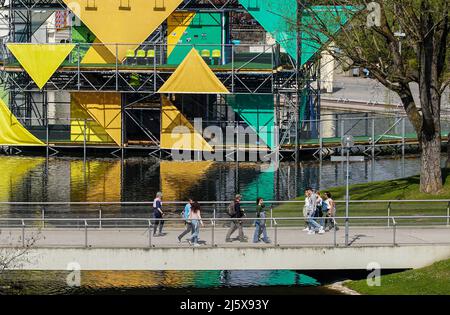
(260, 223)
(158, 214)
(196, 220)
(331, 213)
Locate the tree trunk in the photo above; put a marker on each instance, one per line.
(430, 168)
(447, 165)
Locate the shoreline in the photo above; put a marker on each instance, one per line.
(341, 288)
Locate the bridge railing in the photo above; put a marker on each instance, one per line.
(218, 209)
(283, 231)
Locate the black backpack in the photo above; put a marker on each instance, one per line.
(231, 210)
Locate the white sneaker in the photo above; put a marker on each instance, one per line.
(321, 231)
(197, 245)
(305, 230)
(310, 232)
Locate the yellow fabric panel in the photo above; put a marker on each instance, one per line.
(193, 76)
(12, 132)
(14, 169)
(132, 25)
(171, 118)
(105, 109)
(98, 54)
(177, 24)
(94, 132)
(40, 61)
(177, 178)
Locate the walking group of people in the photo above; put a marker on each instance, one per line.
(319, 212)
(191, 215)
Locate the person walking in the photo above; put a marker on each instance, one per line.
(330, 222)
(158, 214)
(311, 212)
(236, 212)
(319, 209)
(260, 223)
(188, 224)
(196, 219)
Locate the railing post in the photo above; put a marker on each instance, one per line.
(100, 218)
(23, 233)
(271, 215)
(394, 230)
(275, 243)
(43, 217)
(213, 222)
(149, 233)
(403, 136)
(389, 214)
(85, 234)
(448, 214)
(335, 239)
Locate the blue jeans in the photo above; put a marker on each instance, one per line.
(322, 219)
(313, 225)
(195, 231)
(260, 229)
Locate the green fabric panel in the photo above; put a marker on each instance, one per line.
(208, 24)
(257, 112)
(279, 19)
(82, 35)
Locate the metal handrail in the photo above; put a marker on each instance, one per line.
(213, 221)
(56, 203)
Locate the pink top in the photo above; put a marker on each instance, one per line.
(195, 216)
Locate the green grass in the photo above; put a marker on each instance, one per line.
(398, 189)
(434, 279)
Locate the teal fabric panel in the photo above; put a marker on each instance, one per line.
(205, 31)
(280, 17)
(257, 110)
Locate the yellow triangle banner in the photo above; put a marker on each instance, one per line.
(98, 54)
(105, 109)
(193, 76)
(127, 23)
(177, 25)
(177, 133)
(12, 132)
(40, 61)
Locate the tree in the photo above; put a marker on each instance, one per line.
(401, 42)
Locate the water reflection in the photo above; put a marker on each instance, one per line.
(138, 179)
(52, 282)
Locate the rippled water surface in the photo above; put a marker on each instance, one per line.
(68, 179)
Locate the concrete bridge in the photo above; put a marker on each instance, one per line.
(134, 249)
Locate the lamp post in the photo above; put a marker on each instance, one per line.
(347, 143)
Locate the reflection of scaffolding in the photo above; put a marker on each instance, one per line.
(262, 71)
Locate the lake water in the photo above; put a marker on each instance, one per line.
(138, 179)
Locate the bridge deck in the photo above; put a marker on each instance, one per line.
(286, 237)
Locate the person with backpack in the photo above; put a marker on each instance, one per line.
(196, 219)
(158, 215)
(236, 212)
(260, 223)
(185, 214)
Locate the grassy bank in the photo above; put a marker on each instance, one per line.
(397, 189)
(434, 279)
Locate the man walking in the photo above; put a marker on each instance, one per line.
(311, 206)
(236, 212)
(187, 222)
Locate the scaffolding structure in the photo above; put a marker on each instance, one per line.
(264, 71)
